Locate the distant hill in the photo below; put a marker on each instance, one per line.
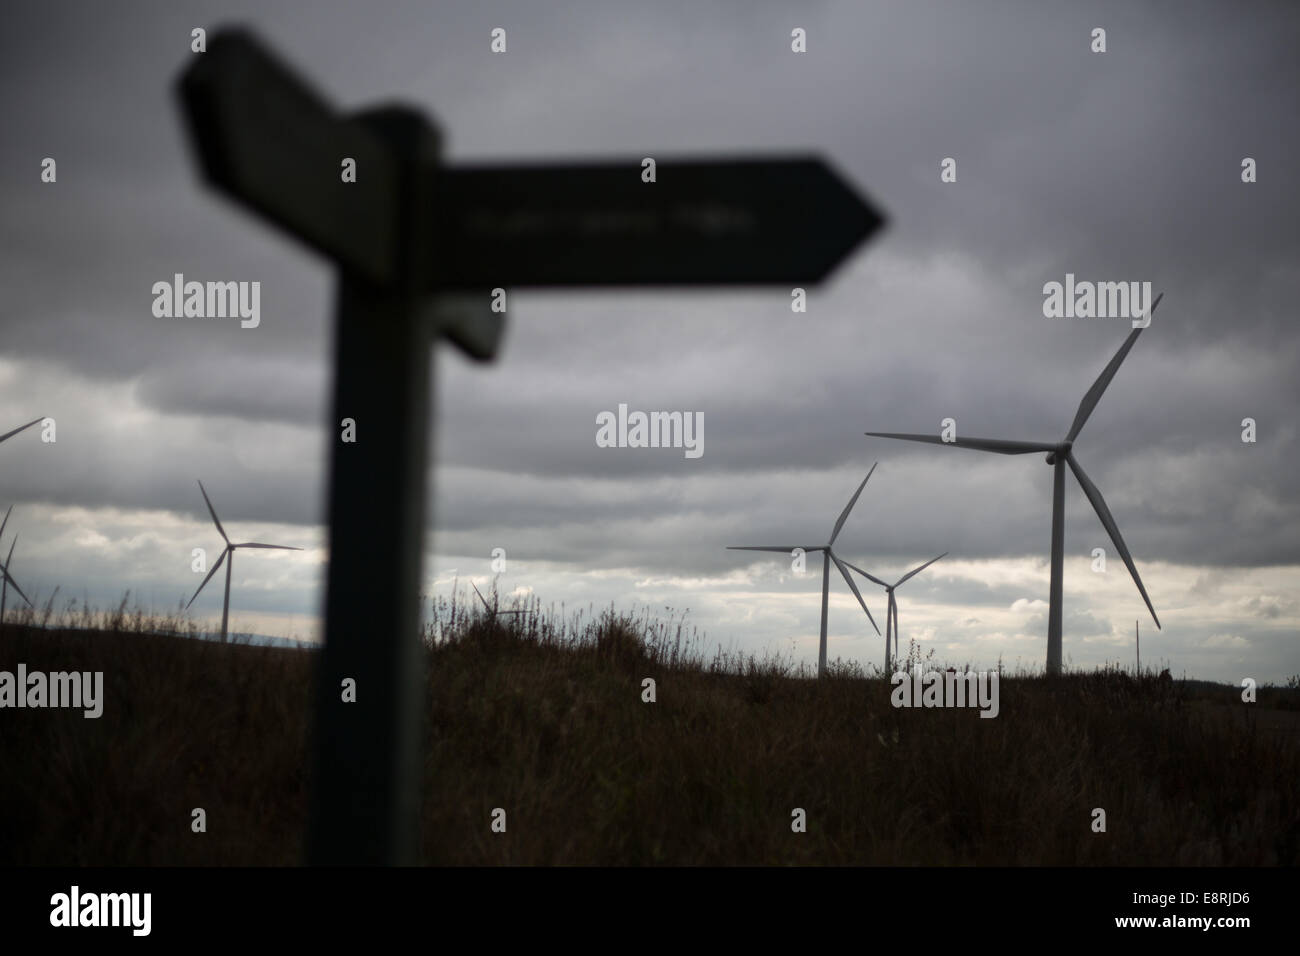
(263, 640)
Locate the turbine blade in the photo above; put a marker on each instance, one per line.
(5, 522)
(15, 432)
(849, 507)
(786, 550)
(1099, 505)
(274, 547)
(481, 597)
(212, 511)
(4, 571)
(918, 570)
(854, 588)
(213, 571)
(869, 577)
(997, 445)
(12, 544)
(1098, 387)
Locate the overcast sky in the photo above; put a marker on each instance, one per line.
(1115, 166)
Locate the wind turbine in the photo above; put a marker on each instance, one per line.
(11, 434)
(229, 551)
(5, 579)
(492, 608)
(1059, 455)
(827, 557)
(891, 618)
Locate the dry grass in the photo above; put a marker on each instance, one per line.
(542, 714)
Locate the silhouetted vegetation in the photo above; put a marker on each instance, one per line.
(541, 714)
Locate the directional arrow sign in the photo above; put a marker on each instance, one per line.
(264, 137)
(723, 222)
(417, 245)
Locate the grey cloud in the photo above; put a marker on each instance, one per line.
(1123, 165)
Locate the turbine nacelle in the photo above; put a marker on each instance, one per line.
(1063, 449)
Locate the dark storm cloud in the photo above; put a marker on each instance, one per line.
(1116, 166)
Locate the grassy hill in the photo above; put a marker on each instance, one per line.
(544, 717)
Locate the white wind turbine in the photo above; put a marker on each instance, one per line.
(5, 579)
(891, 613)
(828, 556)
(493, 609)
(228, 552)
(1060, 454)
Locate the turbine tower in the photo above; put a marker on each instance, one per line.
(1060, 454)
(1137, 640)
(228, 552)
(828, 556)
(5, 579)
(891, 614)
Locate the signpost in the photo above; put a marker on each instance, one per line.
(415, 243)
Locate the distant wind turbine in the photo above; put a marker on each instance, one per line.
(1059, 455)
(5, 579)
(891, 618)
(827, 557)
(492, 609)
(229, 551)
(8, 435)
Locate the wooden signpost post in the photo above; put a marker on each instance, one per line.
(408, 234)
